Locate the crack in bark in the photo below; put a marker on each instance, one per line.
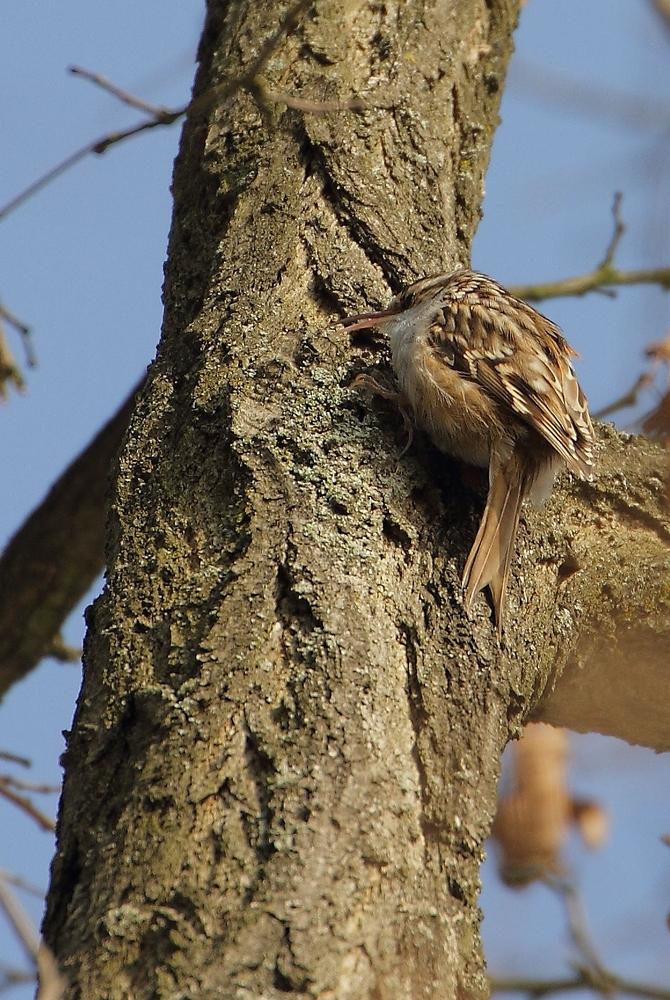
(293, 610)
(359, 233)
(287, 980)
(419, 718)
(258, 829)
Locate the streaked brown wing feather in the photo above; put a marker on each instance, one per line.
(532, 375)
(566, 427)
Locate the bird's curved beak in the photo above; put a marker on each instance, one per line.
(364, 320)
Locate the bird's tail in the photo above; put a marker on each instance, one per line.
(490, 555)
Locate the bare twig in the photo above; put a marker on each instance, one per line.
(263, 94)
(619, 230)
(595, 281)
(164, 116)
(23, 761)
(122, 95)
(39, 788)
(250, 81)
(535, 987)
(52, 983)
(45, 179)
(656, 423)
(602, 277)
(10, 373)
(591, 975)
(20, 921)
(629, 398)
(10, 977)
(59, 649)
(9, 317)
(27, 806)
(605, 103)
(21, 883)
(582, 980)
(99, 146)
(286, 26)
(579, 927)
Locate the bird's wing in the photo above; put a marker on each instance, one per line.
(522, 361)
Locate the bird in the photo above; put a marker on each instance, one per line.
(491, 381)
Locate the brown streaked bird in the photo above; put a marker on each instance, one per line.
(491, 381)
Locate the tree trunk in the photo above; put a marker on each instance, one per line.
(285, 754)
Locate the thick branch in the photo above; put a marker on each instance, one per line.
(55, 556)
(616, 680)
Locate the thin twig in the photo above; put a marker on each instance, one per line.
(164, 116)
(578, 926)
(604, 103)
(228, 88)
(264, 94)
(534, 987)
(21, 883)
(286, 26)
(122, 95)
(592, 975)
(12, 757)
(629, 398)
(249, 81)
(14, 320)
(29, 786)
(10, 977)
(619, 230)
(27, 806)
(594, 281)
(9, 370)
(20, 921)
(602, 278)
(45, 179)
(52, 983)
(58, 649)
(545, 987)
(24, 331)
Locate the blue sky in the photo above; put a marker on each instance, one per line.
(82, 264)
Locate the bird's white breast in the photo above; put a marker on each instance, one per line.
(450, 408)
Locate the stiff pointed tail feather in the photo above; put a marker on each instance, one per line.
(490, 555)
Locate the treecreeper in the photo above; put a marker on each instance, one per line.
(491, 382)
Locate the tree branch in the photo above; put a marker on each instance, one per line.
(597, 280)
(165, 116)
(24, 803)
(602, 277)
(56, 555)
(616, 605)
(583, 980)
(52, 984)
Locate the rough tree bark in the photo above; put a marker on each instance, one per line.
(284, 760)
